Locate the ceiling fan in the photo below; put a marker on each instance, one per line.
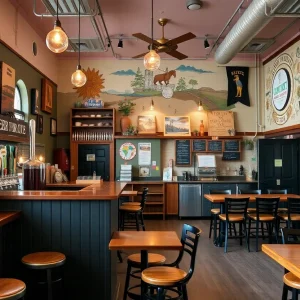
(163, 44)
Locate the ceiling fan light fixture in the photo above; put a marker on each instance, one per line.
(206, 43)
(193, 4)
(152, 60)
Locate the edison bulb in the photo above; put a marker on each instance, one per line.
(152, 60)
(78, 78)
(57, 40)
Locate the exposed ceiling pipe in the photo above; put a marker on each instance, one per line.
(249, 24)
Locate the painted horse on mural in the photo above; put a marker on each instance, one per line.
(165, 77)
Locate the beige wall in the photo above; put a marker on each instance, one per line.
(19, 35)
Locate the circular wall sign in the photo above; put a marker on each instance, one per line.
(167, 92)
(281, 88)
(127, 151)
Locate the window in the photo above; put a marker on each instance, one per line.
(18, 104)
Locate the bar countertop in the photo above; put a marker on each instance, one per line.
(108, 190)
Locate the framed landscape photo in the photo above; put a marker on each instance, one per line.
(47, 96)
(34, 102)
(39, 124)
(53, 126)
(177, 126)
(146, 124)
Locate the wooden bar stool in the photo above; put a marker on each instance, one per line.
(134, 261)
(45, 261)
(12, 289)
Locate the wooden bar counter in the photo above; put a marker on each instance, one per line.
(76, 223)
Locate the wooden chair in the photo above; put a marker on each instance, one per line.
(235, 213)
(290, 281)
(45, 261)
(131, 216)
(12, 289)
(293, 212)
(266, 212)
(170, 277)
(251, 192)
(281, 191)
(214, 212)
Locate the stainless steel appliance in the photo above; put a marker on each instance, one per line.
(190, 200)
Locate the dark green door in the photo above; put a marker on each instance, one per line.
(93, 158)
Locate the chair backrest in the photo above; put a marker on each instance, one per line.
(293, 206)
(267, 206)
(281, 191)
(144, 197)
(253, 192)
(235, 206)
(225, 192)
(287, 233)
(189, 240)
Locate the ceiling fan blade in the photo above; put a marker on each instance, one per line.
(140, 55)
(177, 54)
(145, 38)
(181, 39)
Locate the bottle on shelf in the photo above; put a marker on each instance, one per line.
(201, 128)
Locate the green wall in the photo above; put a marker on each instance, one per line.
(33, 79)
(155, 156)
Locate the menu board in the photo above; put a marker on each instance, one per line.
(199, 145)
(232, 145)
(220, 123)
(231, 156)
(183, 153)
(214, 146)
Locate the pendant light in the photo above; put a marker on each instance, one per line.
(152, 59)
(78, 77)
(57, 40)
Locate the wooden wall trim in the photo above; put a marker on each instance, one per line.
(294, 129)
(26, 61)
(277, 52)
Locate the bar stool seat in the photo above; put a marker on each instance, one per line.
(131, 203)
(251, 210)
(44, 260)
(291, 280)
(153, 259)
(262, 217)
(11, 289)
(163, 276)
(232, 217)
(129, 208)
(215, 211)
(285, 217)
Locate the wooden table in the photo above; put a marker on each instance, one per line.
(220, 198)
(286, 255)
(144, 241)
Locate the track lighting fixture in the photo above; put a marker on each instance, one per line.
(120, 43)
(206, 43)
(57, 40)
(193, 4)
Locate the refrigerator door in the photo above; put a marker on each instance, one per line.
(190, 200)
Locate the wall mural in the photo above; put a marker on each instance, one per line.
(144, 83)
(282, 89)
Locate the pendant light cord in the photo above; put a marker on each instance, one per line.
(151, 46)
(79, 35)
(56, 9)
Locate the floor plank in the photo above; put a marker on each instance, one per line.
(237, 274)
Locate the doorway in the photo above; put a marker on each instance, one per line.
(94, 158)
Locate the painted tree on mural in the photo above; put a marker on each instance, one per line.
(139, 80)
(181, 85)
(193, 83)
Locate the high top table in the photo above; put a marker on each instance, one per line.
(220, 198)
(144, 241)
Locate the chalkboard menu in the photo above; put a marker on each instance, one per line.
(199, 145)
(183, 153)
(232, 145)
(231, 156)
(214, 146)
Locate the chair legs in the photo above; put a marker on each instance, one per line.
(294, 294)
(284, 292)
(127, 282)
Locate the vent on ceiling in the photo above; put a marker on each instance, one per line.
(258, 45)
(70, 7)
(87, 45)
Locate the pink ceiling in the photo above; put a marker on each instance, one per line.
(131, 16)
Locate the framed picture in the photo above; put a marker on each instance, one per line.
(34, 102)
(47, 96)
(7, 88)
(146, 124)
(39, 124)
(144, 171)
(177, 125)
(53, 126)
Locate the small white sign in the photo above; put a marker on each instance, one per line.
(90, 157)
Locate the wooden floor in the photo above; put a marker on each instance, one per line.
(237, 274)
